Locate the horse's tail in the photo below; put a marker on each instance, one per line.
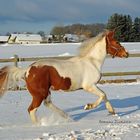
(9, 78)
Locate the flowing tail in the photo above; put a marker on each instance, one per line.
(10, 77)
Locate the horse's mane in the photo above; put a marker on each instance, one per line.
(87, 45)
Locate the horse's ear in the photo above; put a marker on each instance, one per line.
(110, 34)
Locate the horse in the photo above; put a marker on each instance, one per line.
(82, 71)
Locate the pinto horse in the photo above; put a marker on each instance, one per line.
(79, 72)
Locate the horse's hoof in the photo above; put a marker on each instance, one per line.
(88, 106)
(112, 112)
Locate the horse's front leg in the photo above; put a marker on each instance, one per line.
(102, 96)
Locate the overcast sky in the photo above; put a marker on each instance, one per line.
(36, 15)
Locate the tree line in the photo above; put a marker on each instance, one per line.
(126, 29)
(89, 30)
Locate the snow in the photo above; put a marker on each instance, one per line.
(83, 124)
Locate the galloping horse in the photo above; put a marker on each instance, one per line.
(80, 72)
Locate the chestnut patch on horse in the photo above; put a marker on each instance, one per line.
(42, 78)
(57, 81)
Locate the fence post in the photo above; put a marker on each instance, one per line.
(16, 59)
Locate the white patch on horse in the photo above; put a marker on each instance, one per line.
(33, 115)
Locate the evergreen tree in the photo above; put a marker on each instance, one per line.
(115, 24)
(136, 29)
(127, 28)
(122, 25)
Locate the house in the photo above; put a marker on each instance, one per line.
(4, 39)
(71, 38)
(49, 38)
(25, 39)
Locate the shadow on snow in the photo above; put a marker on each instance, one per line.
(133, 102)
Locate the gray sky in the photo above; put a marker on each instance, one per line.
(36, 15)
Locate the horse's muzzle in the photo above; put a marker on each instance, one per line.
(127, 55)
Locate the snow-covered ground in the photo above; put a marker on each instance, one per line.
(93, 124)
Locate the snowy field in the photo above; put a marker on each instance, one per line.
(94, 124)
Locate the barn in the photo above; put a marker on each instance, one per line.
(4, 39)
(25, 39)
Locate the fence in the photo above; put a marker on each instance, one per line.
(16, 59)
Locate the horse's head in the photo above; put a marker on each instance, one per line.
(114, 47)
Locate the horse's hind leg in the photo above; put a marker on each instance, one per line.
(33, 108)
(102, 96)
(48, 103)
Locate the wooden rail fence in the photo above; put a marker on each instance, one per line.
(16, 60)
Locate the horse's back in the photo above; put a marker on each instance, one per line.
(78, 70)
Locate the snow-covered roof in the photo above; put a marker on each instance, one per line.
(49, 36)
(27, 37)
(71, 35)
(4, 38)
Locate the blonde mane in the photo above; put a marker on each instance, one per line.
(87, 45)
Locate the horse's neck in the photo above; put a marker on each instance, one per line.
(98, 53)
